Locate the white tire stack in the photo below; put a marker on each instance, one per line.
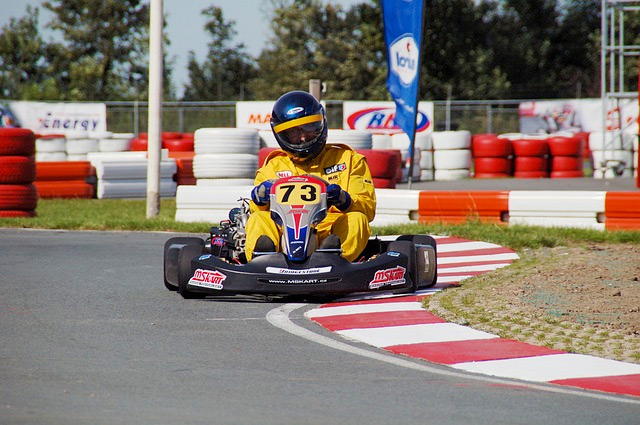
(50, 149)
(267, 139)
(79, 144)
(208, 204)
(225, 154)
(356, 139)
(124, 174)
(451, 154)
(381, 141)
(422, 157)
(114, 142)
(614, 157)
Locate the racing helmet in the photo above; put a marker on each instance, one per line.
(299, 123)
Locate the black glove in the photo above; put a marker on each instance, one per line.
(260, 193)
(338, 197)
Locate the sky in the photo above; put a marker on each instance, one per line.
(185, 26)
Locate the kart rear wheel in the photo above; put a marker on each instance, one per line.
(407, 248)
(426, 259)
(172, 247)
(185, 255)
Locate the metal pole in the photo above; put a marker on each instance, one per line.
(155, 109)
(603, 71)
(315, 88)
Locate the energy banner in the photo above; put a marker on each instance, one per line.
(60, 117)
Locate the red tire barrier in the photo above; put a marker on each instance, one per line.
(17, 169)
(263, 154)
(459, 206)
(491, 175)
(489, 145)
(530, 147)
(491, 166)
(382, 183)
(530, 163)
(17, 141)
(138, 144)
(65, 189)
(185, 181)
(17, 213)
(383, 163)
(565, 146)
(18, 197)
(63, 170)
(531, 174)
(566, 174)
(178, 145)
(566, 163)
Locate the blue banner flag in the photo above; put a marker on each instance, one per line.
(403, 22)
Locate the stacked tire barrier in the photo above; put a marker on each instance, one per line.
(124, 175)
(51, 147)
(566, 156)
(172, 141)
(355, 139)
(225, 156)
(422, 155)
(18, 195)
(614, 157)
(184, 168)
(451, 154)
(65, 179)
(208, 204)
(492, 156)
(531, 156)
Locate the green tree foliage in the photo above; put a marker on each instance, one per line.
(104, 55)
(24, 60)
(227, 69)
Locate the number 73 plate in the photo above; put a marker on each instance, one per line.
(299, 190)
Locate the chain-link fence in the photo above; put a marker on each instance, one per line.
(497, 116)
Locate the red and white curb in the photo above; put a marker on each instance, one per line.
(400, 325)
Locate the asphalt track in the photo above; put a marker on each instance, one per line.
(89, 335)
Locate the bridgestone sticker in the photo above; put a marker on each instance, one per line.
(388, 277)
(211, 279)
(315, 270)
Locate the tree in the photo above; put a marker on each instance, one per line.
(227, 69)
(24, 63)
(104, 56)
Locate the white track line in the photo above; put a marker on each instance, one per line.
(364, 308)
(279, 317)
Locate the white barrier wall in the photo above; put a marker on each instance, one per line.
(557, 208)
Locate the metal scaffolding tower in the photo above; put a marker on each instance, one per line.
(614, 50)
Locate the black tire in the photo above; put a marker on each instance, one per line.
(185, 255)
(407, 248)
(425, 240)
(171, 250)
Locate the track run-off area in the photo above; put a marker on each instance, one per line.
(89, 335)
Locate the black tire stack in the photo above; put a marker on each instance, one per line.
(18, 195)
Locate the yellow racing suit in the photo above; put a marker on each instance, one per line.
(337, 164)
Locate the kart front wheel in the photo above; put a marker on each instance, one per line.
(186, 254)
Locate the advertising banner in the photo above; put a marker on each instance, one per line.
(60, 118)
(254, 114)
(403, 21)
(551, 116)
(379, 117)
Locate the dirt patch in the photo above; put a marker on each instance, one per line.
(578, 299)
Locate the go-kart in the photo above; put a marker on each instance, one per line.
(196, 267)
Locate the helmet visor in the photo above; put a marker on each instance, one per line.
(302, 136)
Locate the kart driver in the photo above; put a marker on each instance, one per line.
(299, 124)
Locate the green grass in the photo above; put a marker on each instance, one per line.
(125, 214)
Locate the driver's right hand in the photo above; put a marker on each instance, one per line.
(260, 193)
